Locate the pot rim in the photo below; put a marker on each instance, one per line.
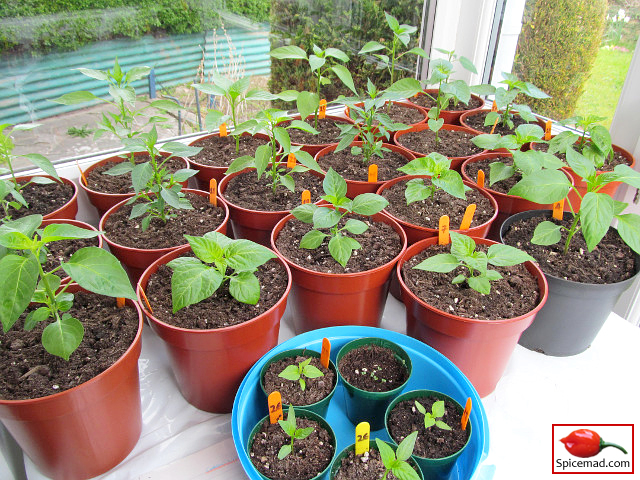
(625, 153)
(205, 137)
(403, 103)
(473, 95)
(335, 118)
(374, 446)
(446, 126)
(66, 181)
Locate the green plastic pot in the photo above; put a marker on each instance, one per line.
(364, 406)
(319, 408)
(300, 413)
(335, 466)
(432, 468)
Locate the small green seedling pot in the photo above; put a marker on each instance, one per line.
(320, 407)
(364, 406)
(300, 413)
(432, 468)
(335, 466)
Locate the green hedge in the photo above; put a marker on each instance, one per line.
(343, 24)
(557, 48)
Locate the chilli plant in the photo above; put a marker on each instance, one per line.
(219, 260)
(341, 245)
(298, 373)
(434, 416)
(438, 167)
(593, 140)
(24, 281)
(290, 428)
(474, 265)
(396, 462)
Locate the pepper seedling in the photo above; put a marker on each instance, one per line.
(476, 272)
(438, 167)
(433, 417)
(594, 140)
(24, 280)
(586, 443)
(396, 462)
(291, 429)
(340, 245)
(298, 372)
(234, 261)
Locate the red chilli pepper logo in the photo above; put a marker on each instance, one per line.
(586, 443)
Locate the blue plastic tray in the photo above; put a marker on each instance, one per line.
(431, 370)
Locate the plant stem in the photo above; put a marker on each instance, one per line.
(572, 231)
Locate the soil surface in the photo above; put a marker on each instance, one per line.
(62, 250)
(29, 371)
(245, 190)
(476, 121)
(425, 101)
(221, 151)
(310, 455)
(427, 213)
(203, 218)
(373, 368)
(452, 143)
(513, 295)
(432, 442)
(121, 184)
(611, 261)
(292, 394)
(404, 114)
(367, 466)
(380, 244)
(354, 167)
(42, 199)
(608, 166)
(326, 126)
(503, 186)
(221, 309)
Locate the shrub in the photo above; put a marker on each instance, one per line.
(556, 50)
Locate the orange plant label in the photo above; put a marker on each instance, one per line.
(223, 129)
(275, 407)
(468, 216)
(466, 413)
(84, 179)
(120, 302)
(213, 192)
(558, 210)
(146, 301)
(325, 352)
(347, 111)
(494, 125)
(291, 160)
(480, 181)
(443, 230)
(373, 173)
(363, 431)
(306, 197)
(322, 109)
(547, 130)
(494, 106)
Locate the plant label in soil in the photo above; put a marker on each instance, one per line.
(322, 109)
(120, 302)
(291, 160)
(82, 177)
(547, 130)
(275, 407)
(494, 106)
(213, 192)
(558, 210)
(480, 181)
(306, 197)
(373, 173)
(325, 352)
(146, 301)
(223, 129)
(468, 217)
(443, 230)
(466, 413)
(363, 430)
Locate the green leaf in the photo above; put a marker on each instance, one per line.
(601, 138)
(369, 204)
(442, 425)
(404, 471)
(420, 407)
(386, 453)
(302, 433)
(341, 248)
(462, 246)
(543, 186)
(141, 175)
(245, 288)
(26, 225)
(493, 275)
(435, 125)
(206, 249)
(183, 174)
(334, 184)
(173, 199)
(458, 279)
(308, 161)
(304, 213)
(371, 46)
(404, 88)
(18, 277)
(487, 141)
(310, 371)
(64, 231)
(580, 164)
(192, 282)
(480, 284)
(626, 174)
(441, 263)
(180, 149)
(416, 191)
(304, 126)
(467, 64)
(291, 372)
(499, 171)
(136, 73)
(325, 217)
(239, 164)
(74, 98)
(451, 182)
(345, 76)
(355, 226)
(307, 103)
(596, 214)
(43, 163)
(429, 421)
(35, 317)
(546, 233)
(506, 256)
(97, 74)
(437, 409)
(15, 241)
(61, 338)
(315, 63)
(119, 169)
(284, 451)
(166, 105)
(405, 448)
(629, 230)
(288, 52)
(312, 239)
(246, 255)
(98, 271)
(336, 53)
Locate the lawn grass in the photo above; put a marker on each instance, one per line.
(603, 88)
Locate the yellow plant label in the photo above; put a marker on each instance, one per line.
(466, 413)
(363, 431)
(468, 217)
(275, 407)
(223, 130)
(306, 197)
(213, 192)
(480, 181)
(291, 160)
(325, 352)
(547, 130)
(558, 210)
(322, 109)
(443, 230)
(373, 173)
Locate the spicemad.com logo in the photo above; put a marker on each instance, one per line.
(601, 448)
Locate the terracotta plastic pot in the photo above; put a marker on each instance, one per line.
(209, 364)
(104, 201)
(85, 431)
(357, 187)
(314, 148)
(452, 117)
(574, 313)
(207, 172)
(466, 115)
(68, 210)
(401, 103)
(254, 225)
(456, 162)
(136, 260)
(480, 348)
(331, 299)
(337, 461)
(436, 468)
(507, 204)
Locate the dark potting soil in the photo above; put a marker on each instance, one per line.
(221, 309)
(310, 455)
(203, 218)
(42, 199)
(62, 250)
(503, 186)
(367, 466)
(326, 126)
(608, 166)
(121, 184)
(373, 368)
(380, 244)
(611, 261)
(292, 394)
(221, 151)
(476, 121)
(513, 295)
(432, 442)
(29, 371)
(406, 115)
(452, 143)
(354, 167)
(426, 213)
(245, 190)
(425, 101)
